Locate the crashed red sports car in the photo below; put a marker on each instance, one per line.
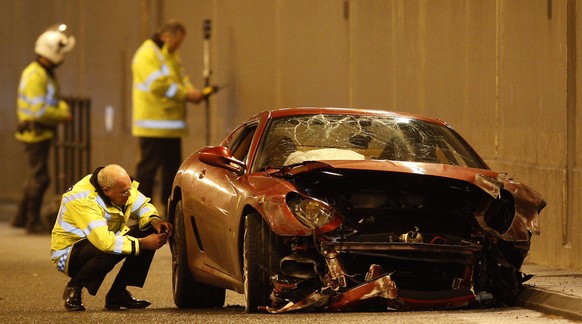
(330, 209)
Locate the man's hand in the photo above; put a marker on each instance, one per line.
(196, 96)
(210, 90)
(153, 241)
(162, 226)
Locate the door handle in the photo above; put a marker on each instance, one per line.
(202, 174)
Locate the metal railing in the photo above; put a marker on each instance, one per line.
(72, 147)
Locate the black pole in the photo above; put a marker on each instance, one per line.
(206, 27)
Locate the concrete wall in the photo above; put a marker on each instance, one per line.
(503, 73)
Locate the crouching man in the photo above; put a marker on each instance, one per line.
(92, 234)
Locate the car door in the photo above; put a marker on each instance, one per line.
(219, 196)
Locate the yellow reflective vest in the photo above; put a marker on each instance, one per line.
(39, 108)
(159, 92)
(84, 214)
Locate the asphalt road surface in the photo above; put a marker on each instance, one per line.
(31, 292)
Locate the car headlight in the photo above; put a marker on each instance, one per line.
(311, 212)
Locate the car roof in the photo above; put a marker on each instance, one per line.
(282, 112)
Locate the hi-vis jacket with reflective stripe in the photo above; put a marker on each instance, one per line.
(159, 92)
(85, 214)
(38, 101)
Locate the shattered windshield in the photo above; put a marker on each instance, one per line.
(295, 139)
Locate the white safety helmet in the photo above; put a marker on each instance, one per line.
(54, 43)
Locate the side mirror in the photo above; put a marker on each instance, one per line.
(220, 156)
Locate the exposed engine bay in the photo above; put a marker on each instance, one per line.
(405, 241)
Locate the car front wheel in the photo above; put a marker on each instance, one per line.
(261, 259)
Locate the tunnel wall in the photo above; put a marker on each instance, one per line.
(502, 73)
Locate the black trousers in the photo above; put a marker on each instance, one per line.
(34, 187)
(88, 265)
(158, 153)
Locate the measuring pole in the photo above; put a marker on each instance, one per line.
(206, 27)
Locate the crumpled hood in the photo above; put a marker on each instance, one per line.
(528, 203)
(429, 169)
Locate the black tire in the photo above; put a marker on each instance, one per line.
(260, 260)
(188, 293)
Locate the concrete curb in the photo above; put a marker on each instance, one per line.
(550, 302)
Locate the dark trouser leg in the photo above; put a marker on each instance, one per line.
(19, 219)
(135, 268)
(88, 266)
(158, 152)
(170, 165)
(149, 161)
(28, 213)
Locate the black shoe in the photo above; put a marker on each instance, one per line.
(73, 297)
(124, 299)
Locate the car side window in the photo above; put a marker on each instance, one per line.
(241, 142)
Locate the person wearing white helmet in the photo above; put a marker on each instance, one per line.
(39, 110)
(54, 43)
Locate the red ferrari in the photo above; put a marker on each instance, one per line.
(331, 209)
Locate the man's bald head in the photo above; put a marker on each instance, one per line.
(112, 175)
(115, 183)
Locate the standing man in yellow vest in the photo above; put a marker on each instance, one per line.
(39, 110)
(160, 93)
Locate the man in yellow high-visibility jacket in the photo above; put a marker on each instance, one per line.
(92, 234)
(39, 110)
(160, 93)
